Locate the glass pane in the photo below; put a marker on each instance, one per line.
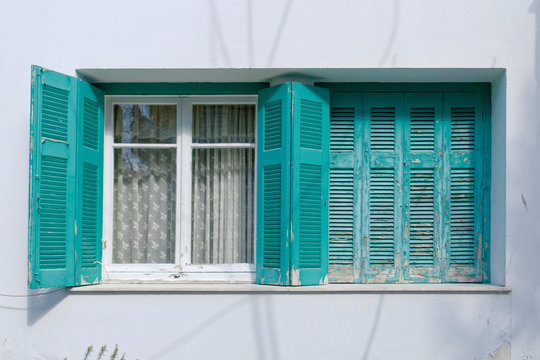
(222, 206)
(144, 124)
(223, 124)
(144, 205)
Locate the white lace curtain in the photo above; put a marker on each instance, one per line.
(222, 185)
(222, 207)
(145, 185)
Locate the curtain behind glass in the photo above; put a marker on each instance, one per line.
(144, 185)
(223, 185)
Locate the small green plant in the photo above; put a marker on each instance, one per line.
(101, 355)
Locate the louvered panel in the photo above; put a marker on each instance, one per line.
(310, 124)
(310, 216)
(341, 130)
(89, 226)
(54, 113)
(53, 213)
(382, 133)
(463, 128)
(422, 129)
(90, 124)
(341, 216)
(421, 243)
(272, 125)
(381, 217)
(271, 216)
(462, 239)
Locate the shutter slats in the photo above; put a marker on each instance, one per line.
(341, 130)
(272, 216)
(463, 128)
(422, 133)
(382, 136)
(90, 214)
(381, 217)
(462, 209)
(272, 125)
(421, 242)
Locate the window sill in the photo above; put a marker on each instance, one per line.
(254, 288)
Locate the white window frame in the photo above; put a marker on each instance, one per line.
(182, 269)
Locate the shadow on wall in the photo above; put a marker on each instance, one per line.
(40, 303)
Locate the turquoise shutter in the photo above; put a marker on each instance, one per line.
(56, 179)
(309, 188)
(89, 184)
(343, 209)
(382, 180)
(424, 189)
(464, 134)
(273, 184)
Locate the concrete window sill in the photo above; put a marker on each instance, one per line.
(254, 288)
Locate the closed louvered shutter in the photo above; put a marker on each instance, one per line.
(273, 189)
(57, 181)
(309, 188)
(382, 193)
(464, 131)
(409, 195)
(423, 191)
(345, 113)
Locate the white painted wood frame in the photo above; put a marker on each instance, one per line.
(181, 270)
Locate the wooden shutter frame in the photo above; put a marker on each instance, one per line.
(64, 273)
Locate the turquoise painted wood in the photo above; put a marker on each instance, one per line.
(273, 188)
(88, 245)
(309, 187)
(344, 251)
(382, 184)
(66, 167)
(421, 187)
(464, 121)
(52, 179)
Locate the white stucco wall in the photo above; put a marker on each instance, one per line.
(66, 35)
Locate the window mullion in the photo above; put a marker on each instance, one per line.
(184, 187)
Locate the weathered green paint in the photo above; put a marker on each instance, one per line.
(344, 206)
(424, 170)
(145, 88)
(309, 185)
(52, 177)
(292, 203)
(273, 177)
(55, 181)
(88, 246)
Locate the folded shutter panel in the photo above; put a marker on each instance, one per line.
(52, 180)
(343, 202)
(423, 190)
(65, 197)
(89, 184)
(463, 113)
(382, 182)
(273, 185)
(309, 188)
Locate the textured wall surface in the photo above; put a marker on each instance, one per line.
(66, 35)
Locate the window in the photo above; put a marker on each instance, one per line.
(180, 186)
(358, 183)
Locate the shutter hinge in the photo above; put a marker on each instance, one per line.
(75, 227)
